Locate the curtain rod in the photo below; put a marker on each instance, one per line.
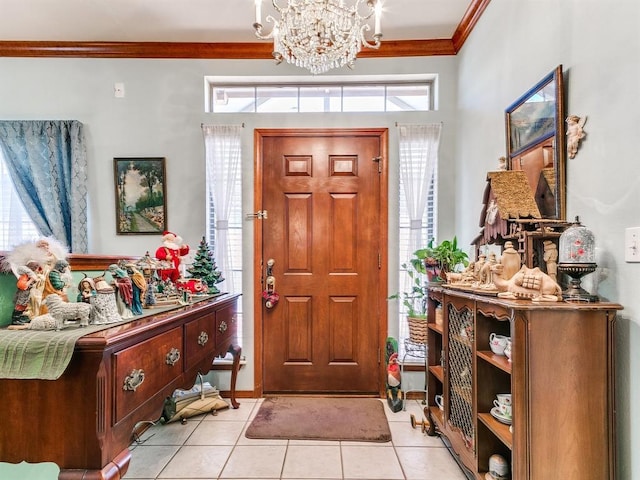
(213, 125)
(407, 124)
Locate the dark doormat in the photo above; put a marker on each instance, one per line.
(311, 418)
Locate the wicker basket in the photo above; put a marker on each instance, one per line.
(417, 329)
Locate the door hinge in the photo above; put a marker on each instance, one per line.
(378, 160)
(259, 215)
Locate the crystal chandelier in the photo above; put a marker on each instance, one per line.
(320, 34)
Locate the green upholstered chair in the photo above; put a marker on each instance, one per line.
(30, 471)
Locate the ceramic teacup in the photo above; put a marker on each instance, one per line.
(507, 350)
(503, 408)
(504, 398)
(439, 401)
(498, 343)
(498, 467)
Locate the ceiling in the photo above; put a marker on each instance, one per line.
(209, 21)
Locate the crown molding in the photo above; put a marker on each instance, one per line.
(235, 51)
(469, 20)
(246, 51)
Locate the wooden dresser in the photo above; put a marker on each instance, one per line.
(561, 379)
(117, 378)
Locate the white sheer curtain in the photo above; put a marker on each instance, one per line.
(223, 159)
(418, 160)
(16, 226)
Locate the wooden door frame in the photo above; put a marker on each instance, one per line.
(383, 273)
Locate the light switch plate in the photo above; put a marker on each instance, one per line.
(632, 244)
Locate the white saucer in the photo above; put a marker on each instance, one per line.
(495, 413)
(488, 476)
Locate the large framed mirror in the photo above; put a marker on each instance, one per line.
(536, 142)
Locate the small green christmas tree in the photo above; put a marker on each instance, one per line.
(204, 267)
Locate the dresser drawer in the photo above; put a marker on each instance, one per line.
(200, 339)
(226, 326)
(146, 368)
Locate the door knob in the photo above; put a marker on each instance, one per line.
(269, 294)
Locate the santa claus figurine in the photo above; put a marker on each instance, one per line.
(171, 250)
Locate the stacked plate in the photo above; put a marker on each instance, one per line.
(495, 413)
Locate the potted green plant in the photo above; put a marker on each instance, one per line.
(440, 259)
(415, 299)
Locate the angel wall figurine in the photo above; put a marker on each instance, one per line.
(575, 133)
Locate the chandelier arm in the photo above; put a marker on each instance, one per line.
(371, 4)
(267, 36)
(376, 38)
(278, 8)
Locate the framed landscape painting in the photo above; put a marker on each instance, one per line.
(141, 197)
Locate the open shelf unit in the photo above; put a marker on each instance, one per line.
(562, 353)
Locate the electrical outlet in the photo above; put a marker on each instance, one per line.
(632, 244)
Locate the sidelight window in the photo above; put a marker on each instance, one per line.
(418, 165)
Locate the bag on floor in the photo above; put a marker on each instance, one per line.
(201, 398)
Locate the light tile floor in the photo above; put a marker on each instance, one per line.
(214, 447)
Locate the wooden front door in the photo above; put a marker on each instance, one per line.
(324, 192)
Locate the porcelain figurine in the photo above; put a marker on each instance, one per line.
(575, 133)
(28, 276)
(31, 263)
(171, 251)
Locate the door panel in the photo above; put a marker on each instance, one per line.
(323, 192)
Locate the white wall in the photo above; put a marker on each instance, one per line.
(161, 115)
(515, 44)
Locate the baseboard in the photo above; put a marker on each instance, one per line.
(252, 394)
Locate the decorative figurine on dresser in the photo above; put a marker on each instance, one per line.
(103, 302)
(171, 251)
(33, 263)
(86, 289)
(124, 290)
(139, 286)
(28, 276)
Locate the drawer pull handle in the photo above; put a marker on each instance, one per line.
(173, 356)
(203, 338)
(223, 327)
(133, 380)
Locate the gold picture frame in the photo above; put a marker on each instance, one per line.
(535, 133)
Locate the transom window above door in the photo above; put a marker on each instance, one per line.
(336, 94)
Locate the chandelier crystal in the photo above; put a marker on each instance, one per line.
(320, 34)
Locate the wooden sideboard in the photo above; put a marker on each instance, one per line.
(117, 378)
(561, 378)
